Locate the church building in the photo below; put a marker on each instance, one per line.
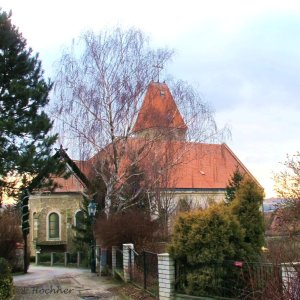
(199, 176)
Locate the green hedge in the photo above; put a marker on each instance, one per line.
(6, 280)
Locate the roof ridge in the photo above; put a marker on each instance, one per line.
(240, 162)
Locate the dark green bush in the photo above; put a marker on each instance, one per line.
(6, 281)
(202, 241)
(45, 257)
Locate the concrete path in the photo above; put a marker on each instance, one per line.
(63, 283)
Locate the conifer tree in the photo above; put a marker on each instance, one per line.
(233, 185)
(247, 208)
(25, 143)
(83, 228)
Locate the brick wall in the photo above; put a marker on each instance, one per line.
(166, 276)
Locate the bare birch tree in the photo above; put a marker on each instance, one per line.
(198, 115)
(99, 90)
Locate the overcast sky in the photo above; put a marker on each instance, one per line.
(243, 56)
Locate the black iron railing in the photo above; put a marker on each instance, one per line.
(144, 270)
(119, 259)
(59, 258)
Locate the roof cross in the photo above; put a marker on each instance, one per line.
(158, 69)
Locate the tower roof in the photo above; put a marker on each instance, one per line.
(159, 110)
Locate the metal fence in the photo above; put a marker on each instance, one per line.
(119, 259)
(85, 259)
(144, 270)
(78, 259)
(109, 258)
(230, 279)
(58, 258)
(44, 259)
(73, 259)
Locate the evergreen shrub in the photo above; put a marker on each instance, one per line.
(247, 207)
(211, 246)
(203, 240)
(6, 280)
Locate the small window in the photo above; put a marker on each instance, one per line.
(53, 226)
(79, 219)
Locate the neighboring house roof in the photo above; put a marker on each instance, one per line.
(77, 180)
(158, 110)
(70, 184)
(284, 220)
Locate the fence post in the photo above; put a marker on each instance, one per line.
(103, 259)
(52, 259)
(78, 259)
(166, 276)
(113, 259)
(97, 254)
(126, 261)
(37, 257)
(66, 259)
(145, 269)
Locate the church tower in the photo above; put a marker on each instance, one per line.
(159, 116)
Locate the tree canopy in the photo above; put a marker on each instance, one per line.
(287, 186)
(287, 182)
(25, 142)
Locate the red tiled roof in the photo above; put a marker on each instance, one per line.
(73, 182)
(189, 165)
(158, 110)
(196, 165)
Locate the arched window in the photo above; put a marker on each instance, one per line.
(35, 226)
(79, 220)
(53, 226)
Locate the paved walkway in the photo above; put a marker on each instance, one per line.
(63, 283)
